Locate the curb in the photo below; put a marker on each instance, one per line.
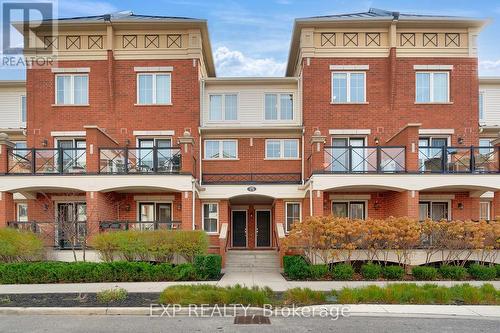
(491, 312)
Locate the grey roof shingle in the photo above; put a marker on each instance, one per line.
(124, 16)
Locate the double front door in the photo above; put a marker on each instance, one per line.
(71, 225)
(262, 228)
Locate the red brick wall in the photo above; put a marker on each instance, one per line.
(461, 115)
(7, 208)
(252, 159)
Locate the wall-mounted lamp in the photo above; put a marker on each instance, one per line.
(376, 205)
(460, 206)
(460, 141)
(127, 142)
(126, 208)
(377, 141)
(179, 207)
(45, 143)
(46, 207)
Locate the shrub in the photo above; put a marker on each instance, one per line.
(118, 271)
(343, 272)
(318, 272)
(295, 267)
(481, 272)
(17, 245)
(157, 245)
(208, 267)
(111, 295)
(424, 273)
(393, 272)
(497, 267)
(410, 293)
(208, 294)
(450, 272)
(371, 271)
(303, 296)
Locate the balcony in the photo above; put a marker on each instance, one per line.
(364, 159)
(251, 178)
(139, 225)
(457, 160)
(46, 161)
(157, 160)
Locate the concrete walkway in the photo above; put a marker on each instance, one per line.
(275, 281)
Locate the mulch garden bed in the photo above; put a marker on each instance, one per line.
(75, 300)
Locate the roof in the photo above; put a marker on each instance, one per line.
(489, 79)
(12, 83)
(373, 15)
(123, 16)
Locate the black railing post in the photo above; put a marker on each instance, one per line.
(349, 162)
(60, 160)
(444, 157)
(155, 159)
(126, 160)
(379, 159)
(33, 160)
(126, 225)
(472, 164)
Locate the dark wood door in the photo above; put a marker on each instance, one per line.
(263, 229)
(239, 229)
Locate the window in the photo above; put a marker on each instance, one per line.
(484, 211)
(155, 212)
(223, 107)
(432, 87)
(351, 209)
(344, 161)
(146, 152)
(278, 107)
(73, 153)
(221, 149)
(210, 217)
(282, 149)
(434, 210)
(22, 212)
(23, 109)
(488, 153)
(481, 105)
(72, 89)
(348, 87)
(153, 88)
(430, 153)
(292, 213)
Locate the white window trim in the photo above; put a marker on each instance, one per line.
(223, 97)
(138, 103)
(221, 150)
(282, 150)
(17, 211)
(23, 123)
(154, 202)
(72, 89)
(431, 137)
(489, 209)
(349, 207)
(203, 217)
(278, 106)
(286, 213)
(431, 87)
(449, 208)
(348, 87)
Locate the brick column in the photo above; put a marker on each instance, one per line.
(96, 138)
(5, 145)
(7, 210)
(317, 159)
(400, 204)
(188, 164)
(187, 210)
(495, 206)
(100, 207)
(408, 137)
(318, 203)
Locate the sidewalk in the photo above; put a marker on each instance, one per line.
(275, 281)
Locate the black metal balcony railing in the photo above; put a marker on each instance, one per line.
(364, 159)
(139, 225)
(251, 178)
(61, 235)
(458, 159)
(47, 161)
(139, 160)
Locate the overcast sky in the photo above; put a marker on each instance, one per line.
(252, 38)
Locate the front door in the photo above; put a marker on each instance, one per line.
(71, 226)
(263, 229)
(239, 228)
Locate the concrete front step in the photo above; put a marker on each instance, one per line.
(252, 261)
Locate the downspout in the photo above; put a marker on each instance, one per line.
(302, 159)
(193, 182)
(311, 198)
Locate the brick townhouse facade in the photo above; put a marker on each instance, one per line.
(376, 116)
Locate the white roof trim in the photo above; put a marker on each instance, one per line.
(349, 67)
(71, 70)
(348, 197)
(154, 69)
(434, 197)
(436, 131)
(68, 133)
(433, 67)
(153, 133)
(350, 131)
